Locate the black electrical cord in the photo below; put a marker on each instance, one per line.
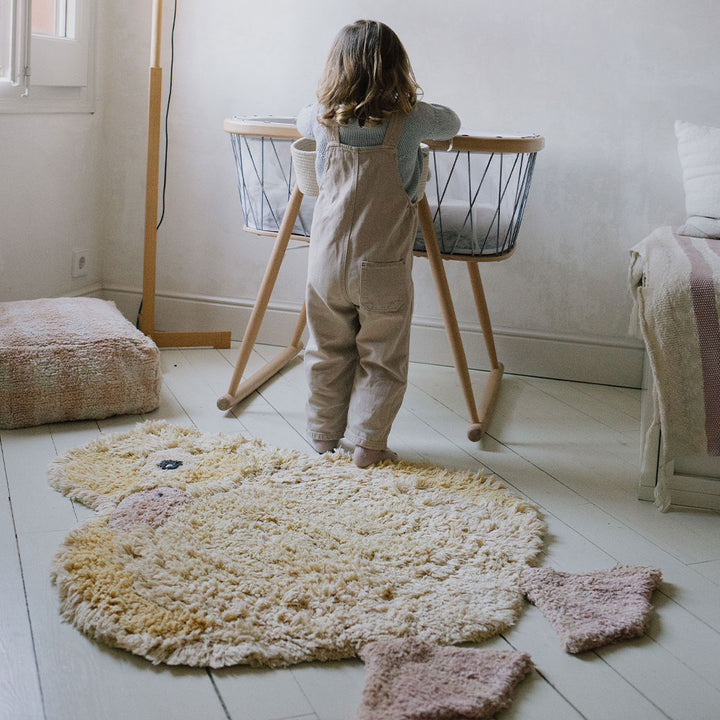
(167, 116)
(167, 111)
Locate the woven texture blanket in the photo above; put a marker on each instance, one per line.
(675, 279)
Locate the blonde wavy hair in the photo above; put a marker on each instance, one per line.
(367, 76)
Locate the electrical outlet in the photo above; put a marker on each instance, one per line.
(80, 263)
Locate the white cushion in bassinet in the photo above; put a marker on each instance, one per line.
(699, 151)
(460, 232)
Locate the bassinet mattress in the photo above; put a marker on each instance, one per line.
(461, 231)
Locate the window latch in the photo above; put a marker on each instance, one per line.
(26, 81)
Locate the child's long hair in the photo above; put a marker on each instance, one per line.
(367, 76)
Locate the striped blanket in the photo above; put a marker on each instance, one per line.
(675, 281)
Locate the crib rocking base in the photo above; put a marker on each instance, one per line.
(480, 416)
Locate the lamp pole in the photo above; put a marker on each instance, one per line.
(218, 339)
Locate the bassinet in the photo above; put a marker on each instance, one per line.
(472, 210)
(477, 190)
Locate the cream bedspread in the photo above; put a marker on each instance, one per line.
(675, 281)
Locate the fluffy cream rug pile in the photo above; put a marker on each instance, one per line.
(589, 610)
(213, 550)
(409, 679)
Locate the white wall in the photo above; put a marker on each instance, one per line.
(603, 82)
(49, 204)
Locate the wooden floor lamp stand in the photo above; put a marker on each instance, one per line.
(218, 339)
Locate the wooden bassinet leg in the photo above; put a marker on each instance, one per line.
(260, 377)
(432, 249)
(492, 389)
(237, 392)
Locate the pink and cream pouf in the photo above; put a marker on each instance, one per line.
(72, 359)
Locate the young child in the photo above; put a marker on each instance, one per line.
(368, 125)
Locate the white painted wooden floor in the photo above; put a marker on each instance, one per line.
(570, 448)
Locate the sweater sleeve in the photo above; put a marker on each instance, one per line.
(306, 120)
(437, 121)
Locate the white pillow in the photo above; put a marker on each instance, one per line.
(699, 150)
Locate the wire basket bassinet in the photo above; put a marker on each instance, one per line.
(266, 173)
(477, 188)
(471, 210)
(477, 196)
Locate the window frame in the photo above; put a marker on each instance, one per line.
(51, 74)
(15, 16)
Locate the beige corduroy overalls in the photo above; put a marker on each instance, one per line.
(359, 292)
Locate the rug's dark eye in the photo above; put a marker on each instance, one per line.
(169, 464)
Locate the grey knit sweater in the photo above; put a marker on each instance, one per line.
(426, 122)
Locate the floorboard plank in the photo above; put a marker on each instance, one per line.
(674, 688)
(492, 457)
(570, 448)
(83, 680)
(346, 678)
(681, 583)
(595, 689)
(258, 418)
(36, 506)
(709, 569)
(599, 464)
(255, 694)
(192, 391)
(20, 696)
(621, 417)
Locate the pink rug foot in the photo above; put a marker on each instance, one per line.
(411, 679)
(589, 610)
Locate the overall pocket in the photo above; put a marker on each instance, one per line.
(384, 286)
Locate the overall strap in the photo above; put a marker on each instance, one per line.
(394, 129)
(333, 132)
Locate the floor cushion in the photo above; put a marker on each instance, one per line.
(71, 359)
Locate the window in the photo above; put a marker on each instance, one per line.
(46, 55)
(14, 35)
(50, 18)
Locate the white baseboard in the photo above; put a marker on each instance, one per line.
(607, 361)
(93, 290)
(594, 360)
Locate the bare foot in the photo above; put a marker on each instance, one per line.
(364, 457)
(323, 446)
